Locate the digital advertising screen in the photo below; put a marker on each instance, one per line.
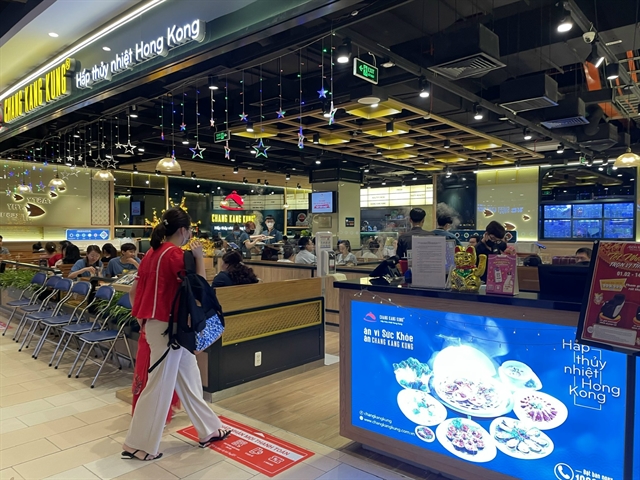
(557, 211)
(618, 210)
(322, 202)
(587, 211)
(587, 228)
(557, 228)
(519, 398)
(618, 228)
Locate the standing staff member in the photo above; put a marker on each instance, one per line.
(270, 222)
(152, 295)
(492, 243)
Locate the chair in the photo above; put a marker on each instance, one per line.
(38, 279)
(63, 285)
(38, 306)
(94, 339)
(83, 290)
(106, 293)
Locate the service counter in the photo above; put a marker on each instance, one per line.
(479, 386)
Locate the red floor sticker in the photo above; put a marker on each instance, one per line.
(258, 450)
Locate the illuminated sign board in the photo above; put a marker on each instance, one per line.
(229, 218)
(42, 91)
(141, 52)
(365, 71)
(221, 136)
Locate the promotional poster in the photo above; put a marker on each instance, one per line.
(612, 315)
(519, 398)
(502, 275)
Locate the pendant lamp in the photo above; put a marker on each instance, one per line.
(56, 183)
(627, 159)
(103, 176)
(23, 188)
(169, 164)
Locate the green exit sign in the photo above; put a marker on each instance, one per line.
(221, 136)
(365, 71)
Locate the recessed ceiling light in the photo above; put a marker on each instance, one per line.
(106, 49)
(53, 34)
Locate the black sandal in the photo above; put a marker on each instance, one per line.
(222, 434)
(132, 456)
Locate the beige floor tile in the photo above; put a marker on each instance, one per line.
(369, 467)
(78, 473)
(19, 379)
(11, 390)
(225, 470)
(10, 425)
(36, 432)
(190, 461)
(24, 453)
(15, 411)
(150, 472)
(9, 474)
(322, 462)
(104, 413)
(67, 459)
(301, 471)
(303, 442)
(60, 412)
(60, 379)
(88, 433)
(65, 398)
(257, 424)
(52, 391)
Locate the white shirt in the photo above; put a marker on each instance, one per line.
(305, 256)
(370, 255)
(285, 260)
(348, 258)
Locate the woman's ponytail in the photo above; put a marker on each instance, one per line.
(157, 235)
(172, 220)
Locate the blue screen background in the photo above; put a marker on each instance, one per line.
(590, 439)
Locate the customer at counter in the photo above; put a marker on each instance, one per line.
(233, 271)
(474, 240)
(90, 266)
(270, 222)
(583, 256)
(492, 242)
(305, 255)
(445, 222)
(109, 252)
(127, 262)
(345, 257)
(287, 254)
(3, 250)
(416, 218)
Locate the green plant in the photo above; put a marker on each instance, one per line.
(118, 314)
(17, 278)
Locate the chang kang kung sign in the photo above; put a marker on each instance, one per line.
(57, 83)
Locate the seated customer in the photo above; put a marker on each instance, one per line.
(3, 250)
(70, 255)
(345, 257)
(109, 252)
(233, 271)
(445, 222)
(492, 242)
(90, 266)
(127, 261)
(287, 254)
(305, 254)
(584, 256)
(371, 252)
(50, 254)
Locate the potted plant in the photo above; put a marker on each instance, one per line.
(14, 281)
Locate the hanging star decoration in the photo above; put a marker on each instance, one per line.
(162, 136)
(322, 93)
(119, 145)
(40, 186)
(102, 145)
(69, 173)
(128, 148)
(301, 138)
(110, 162)
(227, 151)
(261, 149)
(244, 117)
(70, 159)
(197, 151)
(332, 114)
(59, 159)
(281, 113)
(8, 192)
(80, 158)
(183, 127)
(212, 122)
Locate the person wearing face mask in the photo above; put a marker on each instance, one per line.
(270, 222)
(492, 242)
(90, 266)
(236, 236)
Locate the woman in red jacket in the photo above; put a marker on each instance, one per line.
(152, 295)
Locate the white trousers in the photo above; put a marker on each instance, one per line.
(178, 371)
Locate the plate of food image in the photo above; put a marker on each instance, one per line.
(542, 410)
(421, 408)
(411, 373)
(425, 434)
(467, 440)
(520, 439)
(519, 375)
(485, 397)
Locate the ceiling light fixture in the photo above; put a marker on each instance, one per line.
(287, 177)
(390, 127)
(140, 149)
(104, 176)
(560, 149)
(53, 35)
(448, 172)
(415, 177)
(133, 112)
(517, 164)
(298, 186)
(447, 143)
(316, 138)
(212, 83)
(235, 170)
(489, 155)
(106, 49)
(343, 52)
(526, 134)
(384, 181)
(627, 159)
(424, 88)
(426, 161)
(612, 71)
(318, 161)
(193, 175)
(566, 23)
(244, 180)
(594, 57)
(169, 164)
(374, 105)
(367, 168)
(478, 114)
(250, 127)
(135, 169)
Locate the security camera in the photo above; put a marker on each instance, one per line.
(589, 37)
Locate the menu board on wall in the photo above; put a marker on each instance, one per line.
(519, 398)
(415, 196)
(588, 221)
(611, 316)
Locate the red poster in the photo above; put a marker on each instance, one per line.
(255, 449)
(611, 317)
(502, 275)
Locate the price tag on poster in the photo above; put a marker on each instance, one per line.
(502, 276)
(610, 316)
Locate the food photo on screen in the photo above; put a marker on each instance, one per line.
(515, 397)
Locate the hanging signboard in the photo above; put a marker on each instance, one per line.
(365, 71)
(610, 316)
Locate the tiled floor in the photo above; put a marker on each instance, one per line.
(56, 427)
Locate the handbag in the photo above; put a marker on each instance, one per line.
(211, 333)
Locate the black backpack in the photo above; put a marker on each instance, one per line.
(194, 303)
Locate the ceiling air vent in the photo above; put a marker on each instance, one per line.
(569, 113)
(467, 52)
(529, 93)
(605, 138)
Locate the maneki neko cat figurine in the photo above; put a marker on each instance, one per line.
(465, 277)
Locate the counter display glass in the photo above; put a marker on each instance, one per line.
(519, 398)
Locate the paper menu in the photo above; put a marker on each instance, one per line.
(428, 256)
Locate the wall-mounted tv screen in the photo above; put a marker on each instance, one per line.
(557, 211)
(622, 228)
(587, 211)
(618, 210)
(323, 202)
(557, 228)
(587, 229)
